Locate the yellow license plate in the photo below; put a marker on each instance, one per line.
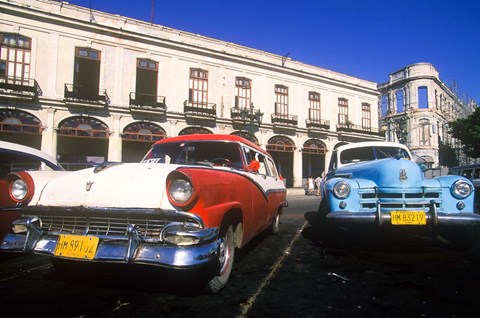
(408, 218)
(76, 246)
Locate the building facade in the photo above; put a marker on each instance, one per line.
(416, 109)
(86, 86)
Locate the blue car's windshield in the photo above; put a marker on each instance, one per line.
(372, 153)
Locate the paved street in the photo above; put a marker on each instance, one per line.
(297, 273)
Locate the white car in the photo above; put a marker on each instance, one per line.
(14, 158)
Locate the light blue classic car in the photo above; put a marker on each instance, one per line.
(379, 183)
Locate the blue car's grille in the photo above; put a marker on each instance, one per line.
(400, 200)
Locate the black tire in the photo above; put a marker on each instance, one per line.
(323, 211)
(275, 225)
(227, 253)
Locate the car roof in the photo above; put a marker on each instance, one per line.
(212, 137)
(371, 144)
(470, 166)
(13, 147)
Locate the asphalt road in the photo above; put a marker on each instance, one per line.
(300, 272)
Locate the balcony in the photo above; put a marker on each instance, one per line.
(197, 110)
(19, 88)
(147, 104)
(284, 121)
(357, 129)
(80, 96)
(317, 124)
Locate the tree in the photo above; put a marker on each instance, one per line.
(446, 155)
(467, 130)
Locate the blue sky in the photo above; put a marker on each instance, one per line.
(368, 39)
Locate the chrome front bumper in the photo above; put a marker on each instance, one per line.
(131, 249)
(434, 218)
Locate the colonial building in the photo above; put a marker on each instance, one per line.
(85, 85)
(417, 107)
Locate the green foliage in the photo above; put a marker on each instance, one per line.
(467, 130)
(447, 155)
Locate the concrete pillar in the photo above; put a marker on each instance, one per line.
(115, 141)
(297, 168)
(49, 134)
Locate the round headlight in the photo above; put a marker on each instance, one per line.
(180, 191)
(19, 189)
(341, 189)
(461, 189)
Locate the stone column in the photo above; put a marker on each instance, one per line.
(115, 141)
(297, 168)
(49, 134)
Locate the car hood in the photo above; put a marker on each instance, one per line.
(126, 185)
(389, 172)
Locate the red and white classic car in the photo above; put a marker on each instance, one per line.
(16, 157)
(187, 204)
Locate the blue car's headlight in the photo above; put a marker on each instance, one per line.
(341, 190)
(461, 189)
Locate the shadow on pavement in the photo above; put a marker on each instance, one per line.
(366, 237)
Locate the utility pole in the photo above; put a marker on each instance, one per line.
(152, 13)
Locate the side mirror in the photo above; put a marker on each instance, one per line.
(254, 166)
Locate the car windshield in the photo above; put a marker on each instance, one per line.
(372, 153)
(11, 161)
(210, 153)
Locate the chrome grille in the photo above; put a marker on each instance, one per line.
(148, 226)
(398, 200)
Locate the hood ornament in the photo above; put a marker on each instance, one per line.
(88, 186)
(403, 175)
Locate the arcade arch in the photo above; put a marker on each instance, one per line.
(82, 140)
(282, 148)
(20, 127)
(194, 130)
(247, 136)
(137, 138)
(313, 158)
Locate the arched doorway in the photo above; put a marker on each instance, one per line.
(137, 139)
(313, 158)
(82, 141)
(20, 127)
(340, 144)
(281, 148)
(246, 135)
(194, 130)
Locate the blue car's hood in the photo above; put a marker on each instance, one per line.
(388, 172)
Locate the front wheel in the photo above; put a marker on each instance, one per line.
(275, 226)
(227, 253)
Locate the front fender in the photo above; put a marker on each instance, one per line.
(213, 215)
(350, 203)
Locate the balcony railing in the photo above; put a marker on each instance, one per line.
(285, 120)
(80, 95)
(145, 103)
(20, 87)
(358, 129)
(200, 110)
(317, 124)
